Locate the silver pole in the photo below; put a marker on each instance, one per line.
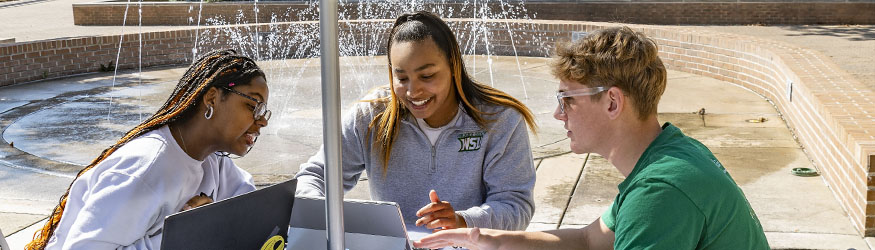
(331, 122)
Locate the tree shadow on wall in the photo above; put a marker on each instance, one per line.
(849, 32)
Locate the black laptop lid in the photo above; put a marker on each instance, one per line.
(247, 221)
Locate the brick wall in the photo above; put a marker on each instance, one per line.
(829, 111)
(47, 59)
(644, 12)
(32, 61)
(725, 13)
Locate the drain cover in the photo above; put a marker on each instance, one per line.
(805, 172)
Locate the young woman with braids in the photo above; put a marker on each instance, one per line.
(434, 130)
(173, 161)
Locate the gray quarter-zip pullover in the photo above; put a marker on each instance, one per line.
(487, 174)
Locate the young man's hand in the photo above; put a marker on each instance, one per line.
(595, 236)
(469, 238)
(439, 215)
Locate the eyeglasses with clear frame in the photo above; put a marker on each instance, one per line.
(561, 95)
(260, 110)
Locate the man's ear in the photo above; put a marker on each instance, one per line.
(616, 102)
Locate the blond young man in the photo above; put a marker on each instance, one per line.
(676, 194)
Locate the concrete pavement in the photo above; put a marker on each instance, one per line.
(29, 20)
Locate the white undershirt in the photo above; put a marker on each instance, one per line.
(434, 133)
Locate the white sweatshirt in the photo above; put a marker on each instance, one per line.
(121, 203)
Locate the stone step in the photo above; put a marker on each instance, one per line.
(556, 179)
(595, 192)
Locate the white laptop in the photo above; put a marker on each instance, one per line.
(369, 225)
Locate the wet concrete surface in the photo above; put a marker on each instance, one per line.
(60, 125)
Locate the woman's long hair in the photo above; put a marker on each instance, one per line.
(414, 27)
(217, 68)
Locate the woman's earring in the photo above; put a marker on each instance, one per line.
(209, 113)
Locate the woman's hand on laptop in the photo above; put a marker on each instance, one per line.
(439, 215)
(197, 201)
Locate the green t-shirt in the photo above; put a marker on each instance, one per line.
(679, 196)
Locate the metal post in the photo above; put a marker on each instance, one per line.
(331, 123)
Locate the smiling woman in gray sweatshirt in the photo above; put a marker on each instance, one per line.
(434, 128)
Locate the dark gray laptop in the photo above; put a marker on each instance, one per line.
(255, 220)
